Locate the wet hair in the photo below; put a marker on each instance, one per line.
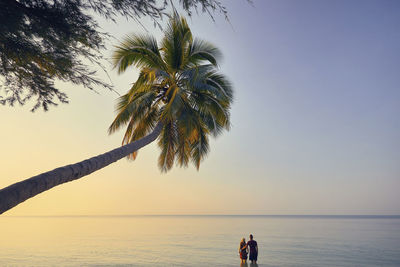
(251, 236)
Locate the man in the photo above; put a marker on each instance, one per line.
(252, 244)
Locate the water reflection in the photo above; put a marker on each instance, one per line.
(246, 264)
(185, 241)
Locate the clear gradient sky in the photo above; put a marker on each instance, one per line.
(316, 122)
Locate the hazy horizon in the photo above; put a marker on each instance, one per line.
(354, 216)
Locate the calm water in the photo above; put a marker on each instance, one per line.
(198, 241)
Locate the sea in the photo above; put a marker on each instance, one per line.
(199, 240)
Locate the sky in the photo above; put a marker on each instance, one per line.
(315, 122)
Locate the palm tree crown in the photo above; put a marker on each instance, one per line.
(179, 87)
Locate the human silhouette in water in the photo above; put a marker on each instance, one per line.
(243, 251)
(253, 247)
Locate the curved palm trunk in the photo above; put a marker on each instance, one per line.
(21, 191)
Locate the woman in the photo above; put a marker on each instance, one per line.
(243, 250)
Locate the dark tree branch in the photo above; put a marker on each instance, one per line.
(42, 41)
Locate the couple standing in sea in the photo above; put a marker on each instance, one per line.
(244, 248)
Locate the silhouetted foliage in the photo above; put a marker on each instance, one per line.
(45, 40)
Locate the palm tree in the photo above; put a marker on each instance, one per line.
(179, 97)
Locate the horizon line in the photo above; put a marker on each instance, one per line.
(218, 215)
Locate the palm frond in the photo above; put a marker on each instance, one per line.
(201, 51)
(138, 50)
(221, 83)
(175, 101)
(167, 143)
(145, 125)
(183, 148)
(129, 107)
(208, 105)
(176, 43)
(139, 128)
(199, 147)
